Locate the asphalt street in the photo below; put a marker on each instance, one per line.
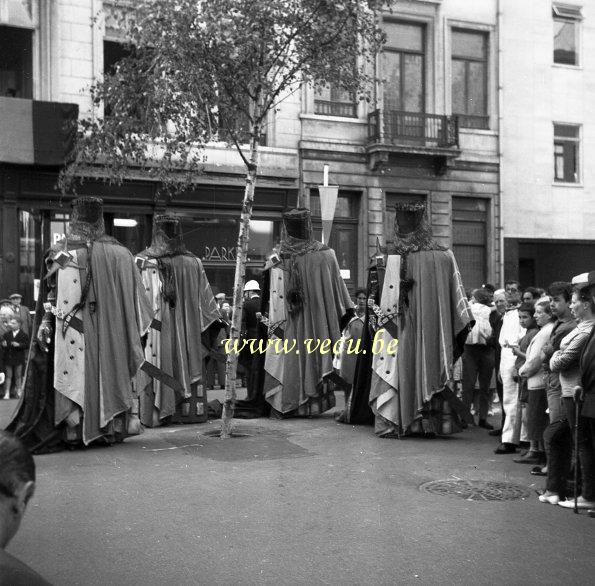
(302, 501)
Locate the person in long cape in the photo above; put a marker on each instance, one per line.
(184, 309)
(90, 317)
(309, 306)
(420, 317)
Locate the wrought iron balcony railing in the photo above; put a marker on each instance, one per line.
(415, 129)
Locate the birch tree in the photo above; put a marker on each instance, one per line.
(204, 70)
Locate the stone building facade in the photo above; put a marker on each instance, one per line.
(431, 133)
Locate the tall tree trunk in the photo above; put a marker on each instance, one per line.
(231, 363)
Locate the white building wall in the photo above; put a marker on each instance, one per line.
(78, 25)
(535, 94)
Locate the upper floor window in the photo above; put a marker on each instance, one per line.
(113, 51)
(16, 62)
(566, 31)
(334, 101)
(404, 67)
(470, 78)
(566, 153)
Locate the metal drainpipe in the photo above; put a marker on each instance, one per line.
(500, 130)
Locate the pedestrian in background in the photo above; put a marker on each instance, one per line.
(15, 343)
(496, 316)
(478, 357)
(533, 371)
(531, 295)
(21, 311)
(566, 362)
(510, 335)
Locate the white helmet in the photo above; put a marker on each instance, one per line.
(252, 286)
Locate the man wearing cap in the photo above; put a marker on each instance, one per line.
(253, 363)
(21, 311)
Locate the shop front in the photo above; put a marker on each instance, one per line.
(34, 217)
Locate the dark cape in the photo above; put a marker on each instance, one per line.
(184, 307)
(308, 301)
(78, 379)
(421, 308)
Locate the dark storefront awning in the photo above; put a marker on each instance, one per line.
(36, 133)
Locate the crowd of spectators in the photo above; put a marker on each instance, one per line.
(535, 349)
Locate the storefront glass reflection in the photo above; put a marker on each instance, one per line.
(214, 241)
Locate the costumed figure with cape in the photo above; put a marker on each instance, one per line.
(90, 317)
(185, 315)
(419, 304)
(309, 306)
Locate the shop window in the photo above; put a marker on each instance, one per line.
(566, 153)
(470, 78)
(566, 34)
(131, 230)
(16, 62)
(214, 241)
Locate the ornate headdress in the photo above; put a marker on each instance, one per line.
(167, 237)
(297, 240)
(86, 222)
(412, 229)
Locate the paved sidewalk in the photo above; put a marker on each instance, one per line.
(302, 501)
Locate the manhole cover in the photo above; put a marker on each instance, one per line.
(217, 433)
(476, 490)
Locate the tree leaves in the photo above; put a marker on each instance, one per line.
(200, 70)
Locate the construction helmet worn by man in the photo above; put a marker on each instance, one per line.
(251, 286)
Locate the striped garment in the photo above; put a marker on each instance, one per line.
(566, 361)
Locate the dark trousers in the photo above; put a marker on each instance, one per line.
(586, 448)
(558, 447)
(537, 419)
(478, 363)
(500, 393)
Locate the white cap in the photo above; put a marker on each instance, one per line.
(252, 286)
(581, 279)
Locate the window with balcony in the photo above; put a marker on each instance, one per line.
(334, 101)
(470, 78)
(566, 33)
(566, 153)
(16, 62)
(404, 67)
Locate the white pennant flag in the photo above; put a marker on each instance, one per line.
(328, 204)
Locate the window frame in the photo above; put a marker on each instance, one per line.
(563, 141)
(464, 118)
(569, 14)
(334, 105)
(401, 53)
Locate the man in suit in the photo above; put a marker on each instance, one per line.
(14, 346)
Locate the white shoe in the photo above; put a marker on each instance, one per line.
(552, 498)
(581, 503)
